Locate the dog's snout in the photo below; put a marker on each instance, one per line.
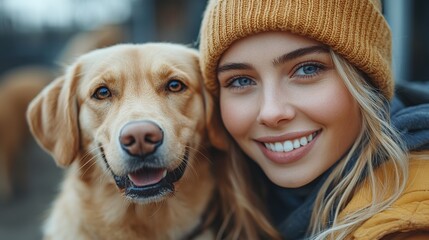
(140, 138)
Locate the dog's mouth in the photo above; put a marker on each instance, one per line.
(148, 183)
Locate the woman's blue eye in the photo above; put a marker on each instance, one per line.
(309, 69)
(241, 82)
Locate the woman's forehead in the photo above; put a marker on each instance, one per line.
(280, 42)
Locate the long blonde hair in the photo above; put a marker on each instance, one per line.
(243, 211)
(377, 143)
(243, 214)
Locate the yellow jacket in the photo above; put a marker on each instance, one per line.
(408, 217)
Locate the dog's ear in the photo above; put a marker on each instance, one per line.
(216, 131)
(52, 117)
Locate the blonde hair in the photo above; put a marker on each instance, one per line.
(243, 215)
(377, 143)
(244, 212)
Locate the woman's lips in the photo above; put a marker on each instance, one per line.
(290, 150)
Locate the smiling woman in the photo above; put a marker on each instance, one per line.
(303, 90)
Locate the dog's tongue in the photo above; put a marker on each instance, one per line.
(147, 176)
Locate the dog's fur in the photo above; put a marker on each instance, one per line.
(17, 88)
(80, 120)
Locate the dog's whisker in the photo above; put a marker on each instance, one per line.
(189, 166)
(91, 151)
(88, 161)
(88, 153)
(107, 172)
(192, 169)
(199, 152)
(88, 167)
(103, 178)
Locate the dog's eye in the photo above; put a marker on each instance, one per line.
(175, 86)
(102, 93)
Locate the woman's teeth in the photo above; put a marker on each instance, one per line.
(290, 145)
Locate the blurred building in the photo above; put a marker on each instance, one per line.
(38, 31)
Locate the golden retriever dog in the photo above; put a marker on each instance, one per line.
(128, 122)
(17, 88)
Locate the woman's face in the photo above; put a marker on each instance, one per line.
(284, 103)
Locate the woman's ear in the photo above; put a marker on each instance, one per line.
(52, 117)
(216, 131)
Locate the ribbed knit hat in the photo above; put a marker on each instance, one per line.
(356, 29)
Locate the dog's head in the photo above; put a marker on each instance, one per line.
(137, 111)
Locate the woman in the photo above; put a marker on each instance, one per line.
(303, 89)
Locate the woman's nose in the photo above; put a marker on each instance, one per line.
(275, 109)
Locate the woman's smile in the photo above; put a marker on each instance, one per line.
(293, 147)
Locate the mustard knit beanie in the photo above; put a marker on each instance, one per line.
(356, 29)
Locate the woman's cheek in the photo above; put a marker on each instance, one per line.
(235, 117)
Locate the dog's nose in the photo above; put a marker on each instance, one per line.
(140, 138)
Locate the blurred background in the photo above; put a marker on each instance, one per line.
(39, 37)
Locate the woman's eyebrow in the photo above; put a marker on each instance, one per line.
(300, 52)
(233, 66)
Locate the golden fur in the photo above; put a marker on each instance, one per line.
(79, 124)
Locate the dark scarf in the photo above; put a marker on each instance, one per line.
(291, 208)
